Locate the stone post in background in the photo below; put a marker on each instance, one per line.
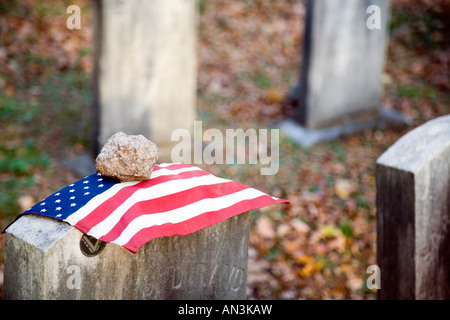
(342, 65)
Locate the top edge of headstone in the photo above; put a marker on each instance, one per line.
(416, 148)
(39, 231)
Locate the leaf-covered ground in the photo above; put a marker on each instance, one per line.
(249, 55)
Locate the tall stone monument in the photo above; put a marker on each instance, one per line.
(145, 69)
(343, 60)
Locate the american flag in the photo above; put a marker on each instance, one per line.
(179, 199)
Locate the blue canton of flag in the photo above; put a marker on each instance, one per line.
(68, 200)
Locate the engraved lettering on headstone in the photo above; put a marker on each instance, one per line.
(128, 289)
(233, 276)
(213, 274)
(228, 275)
(151, 293)
(238, 278)
(177, 279)
(202, 274)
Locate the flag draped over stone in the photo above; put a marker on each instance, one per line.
(179, 199)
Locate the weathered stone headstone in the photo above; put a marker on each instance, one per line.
(343, 60)
(145, 69)
(49, 259)
(413, 214)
